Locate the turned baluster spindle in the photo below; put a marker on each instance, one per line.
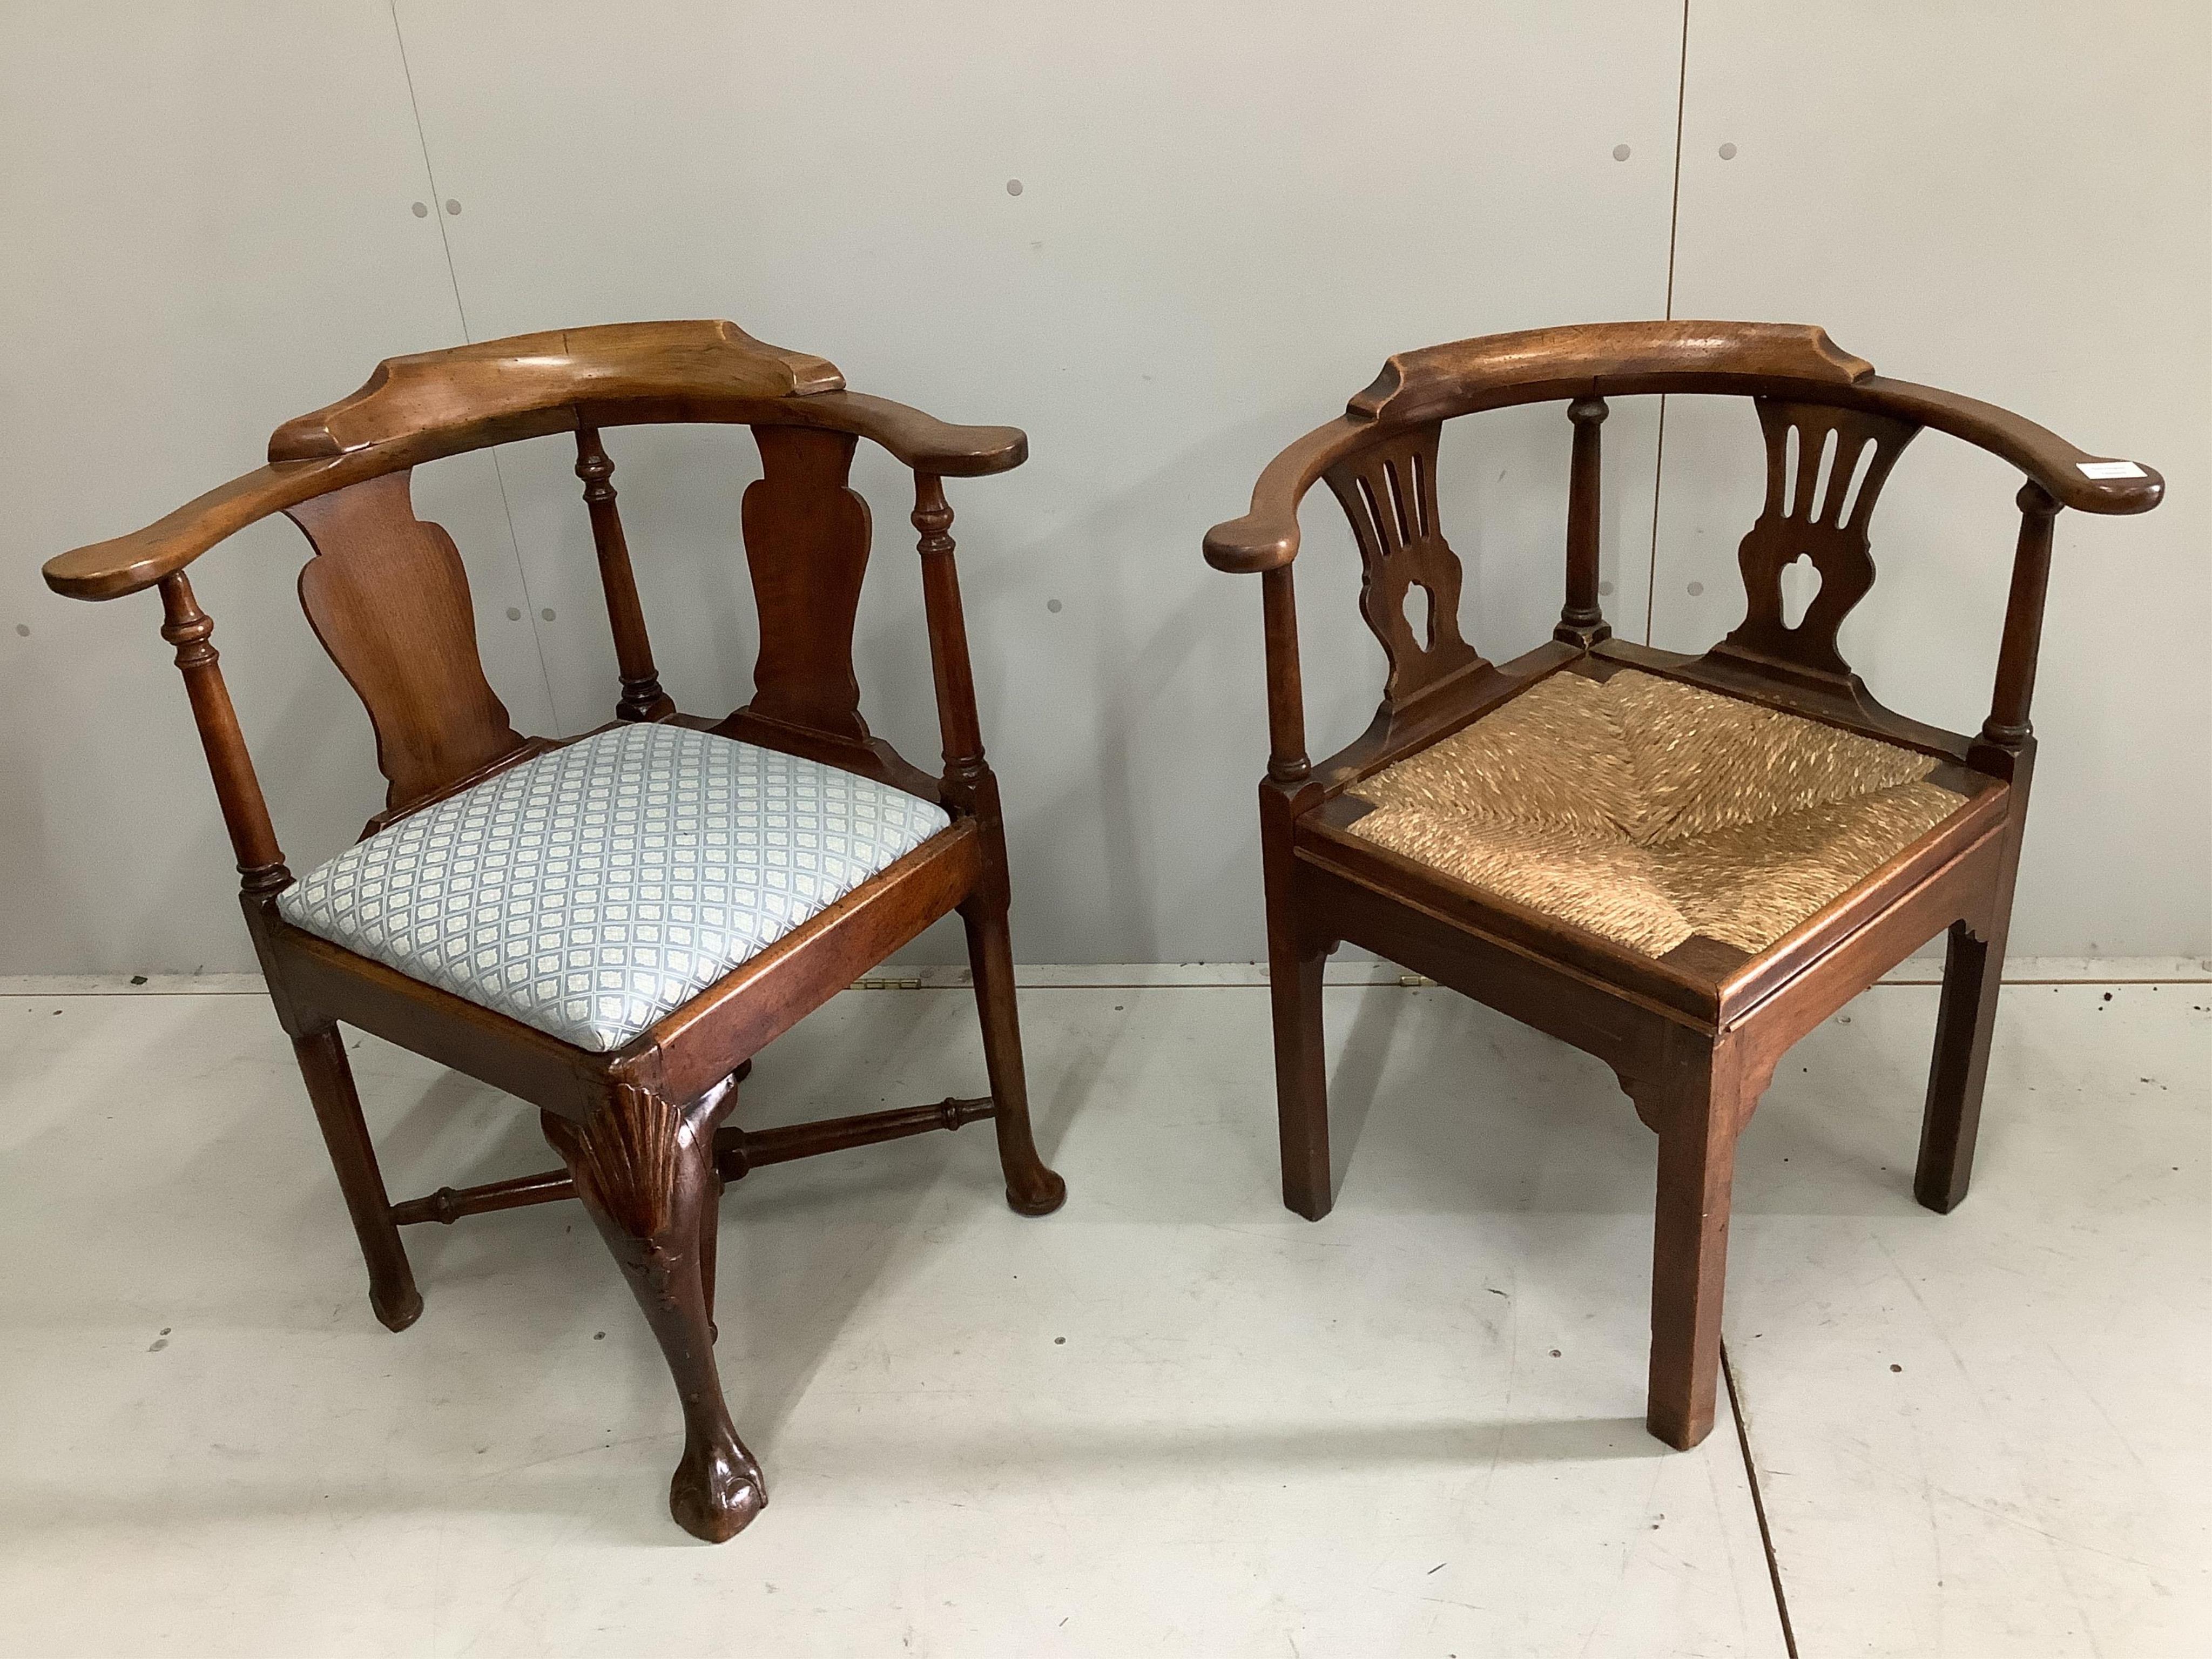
(2008, 724)
(642, 699)
(1286, 703)
(948, 633)
(237, 790)
(1582, 621)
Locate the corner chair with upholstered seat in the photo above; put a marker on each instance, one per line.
(608, 926)
(1679, 864)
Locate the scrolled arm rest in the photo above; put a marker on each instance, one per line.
(920, 441)
(2072, 477)
(125, 564)
(1266, 538)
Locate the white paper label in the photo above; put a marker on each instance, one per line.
(2109, 469)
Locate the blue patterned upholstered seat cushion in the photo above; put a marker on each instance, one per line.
(592, 889)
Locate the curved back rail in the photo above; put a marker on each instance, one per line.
(388, 596)
(1832, 427)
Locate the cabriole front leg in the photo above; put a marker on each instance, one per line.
(644, 1172)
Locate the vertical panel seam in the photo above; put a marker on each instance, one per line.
(1674, 230)
(461, 311)
(1759, 1503)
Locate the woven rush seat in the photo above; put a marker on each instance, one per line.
(596, 888)
(1646, 811)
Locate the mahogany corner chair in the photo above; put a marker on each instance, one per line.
(1677, 864)
(608, 926)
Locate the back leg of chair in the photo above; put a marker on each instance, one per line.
(392, 1292)
(1031, 1189)
(1965, 1022)
(644, 1171)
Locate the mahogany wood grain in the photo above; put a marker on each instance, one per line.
(1825, 470)
(237, 787)
(1581, 620)
(476, 389)
(1608, 360)
(329, 1077)
(645, 1170)
(1287, 761)
(1031, 1189)
(1697, 1109)
(624, 374)
(959, 728)
(737, 1152)
(1389, 492)
(1295, 958)
(1602, 359)
(806, 539)
(971, 789)
(449, 1204)
(387, 595)
(766, 995)
(642, 699)
(2008, 724)
(1694, 1035)
(1973, 968)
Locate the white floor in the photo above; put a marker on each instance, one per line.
(1172, 1418)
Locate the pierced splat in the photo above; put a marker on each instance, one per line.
(388, 596)
(1409, 590)
(1825, 469)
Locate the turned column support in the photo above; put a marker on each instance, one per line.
(968, 784)
(1286, 702)
(2007, 724)
(642, 699)
(237, 789)
(962, 731)
(1581, 622)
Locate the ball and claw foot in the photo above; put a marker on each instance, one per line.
(715, 1494)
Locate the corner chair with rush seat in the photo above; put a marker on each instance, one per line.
(608, 926)
(1679, 864)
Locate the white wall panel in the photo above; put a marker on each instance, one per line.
(2009, 201)
(1229, 215)
(208, 230)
